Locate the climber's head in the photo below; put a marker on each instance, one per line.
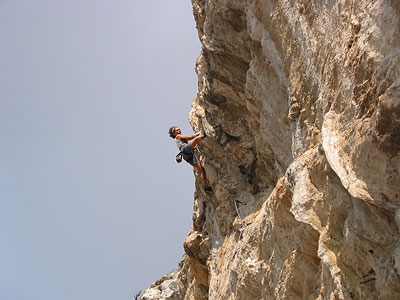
(173, 131)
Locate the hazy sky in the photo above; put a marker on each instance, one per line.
(92, 204)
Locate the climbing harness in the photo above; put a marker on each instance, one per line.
(179, 156)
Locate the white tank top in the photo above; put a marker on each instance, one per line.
(180, 143)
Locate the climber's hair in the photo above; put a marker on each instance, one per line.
(171, 131)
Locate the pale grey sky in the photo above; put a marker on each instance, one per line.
(92, 204)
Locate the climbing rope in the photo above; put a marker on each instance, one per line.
(238, 244)
(235, 201)
(241, 230)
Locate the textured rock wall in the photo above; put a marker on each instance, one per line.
(301, 103)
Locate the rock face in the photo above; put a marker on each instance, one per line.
(165, 288)
(301, 104)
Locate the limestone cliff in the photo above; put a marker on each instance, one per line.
(301, 104)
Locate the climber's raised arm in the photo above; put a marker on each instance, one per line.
(187, 137)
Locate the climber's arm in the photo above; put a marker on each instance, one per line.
(187, 137)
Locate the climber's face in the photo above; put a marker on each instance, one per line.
(177, 130)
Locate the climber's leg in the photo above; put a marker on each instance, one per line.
(195, 141)
(202, 174)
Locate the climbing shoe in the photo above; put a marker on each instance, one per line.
(208, 189)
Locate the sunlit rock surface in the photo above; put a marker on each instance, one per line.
(301, 104)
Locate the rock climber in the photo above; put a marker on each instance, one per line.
(186, 144)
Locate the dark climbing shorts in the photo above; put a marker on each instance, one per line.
(188, 154)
